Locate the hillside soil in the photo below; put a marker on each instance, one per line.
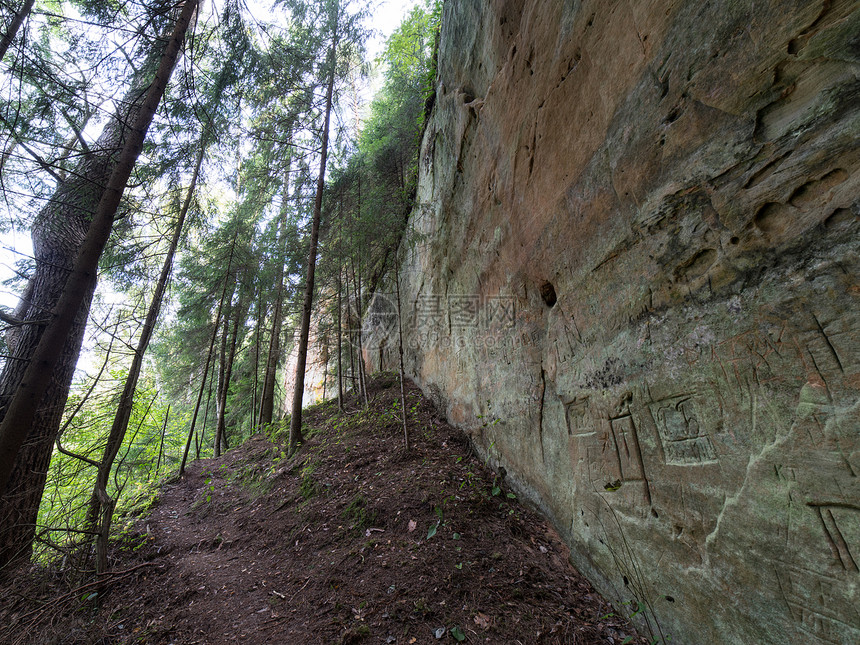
(352, 540)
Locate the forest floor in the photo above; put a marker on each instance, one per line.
(352, 540)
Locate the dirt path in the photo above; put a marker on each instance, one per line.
(352, 540)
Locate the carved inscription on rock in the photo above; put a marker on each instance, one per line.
(819, 605)
(683, 439)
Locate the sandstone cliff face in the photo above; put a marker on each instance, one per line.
(633, 280)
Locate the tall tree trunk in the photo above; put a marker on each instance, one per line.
(339, 340)
(362, 382)
(69, 235)
(221, 426)
(352, 336)
(161, 443)
(100, 501)
(257, 350)
(400, 348)
(362, 365)
(209, 354)
(304, 335)
(267, 403)
(14, 26)
(338, 323)
(200, 433)
(220, 392)
(267, 399)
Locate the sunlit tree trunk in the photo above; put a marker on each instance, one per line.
(69, 235)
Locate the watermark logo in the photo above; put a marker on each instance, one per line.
(379, 325)
(453, 321)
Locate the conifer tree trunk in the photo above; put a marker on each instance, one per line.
(267, 401)
(362, 381)
(352, 336)
(301, 362)
(257, 350)
(200, 433)
(339, 341)
(400, 348)
(161, 443)
(14, 26)
(69, 235)
(220, 391)
(209, 355)
(230, 356)
(338, 324)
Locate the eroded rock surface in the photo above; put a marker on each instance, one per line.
(633, 280)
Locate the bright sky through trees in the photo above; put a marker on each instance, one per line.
(387, 15)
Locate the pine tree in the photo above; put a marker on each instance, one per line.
(69, 236)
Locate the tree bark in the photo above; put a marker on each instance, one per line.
(14, 26)
(301, 361)
(69, 235)
(200, 432)
(267, 402)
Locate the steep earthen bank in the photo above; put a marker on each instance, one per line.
(632, 279)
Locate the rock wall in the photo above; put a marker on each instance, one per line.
(632, 279)
(318, 382)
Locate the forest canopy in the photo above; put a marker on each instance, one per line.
(198, 182)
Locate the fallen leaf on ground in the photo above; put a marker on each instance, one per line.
(482, 620)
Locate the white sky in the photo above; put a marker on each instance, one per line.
(386, 18)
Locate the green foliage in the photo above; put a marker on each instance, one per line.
(308, 486)
(358, 513)
(247, 91)
(135, 481)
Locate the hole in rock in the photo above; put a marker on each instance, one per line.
(735, 239)
(670, 599)
(547, 292)
(626, 581)
(674, 115)
(772, 218)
